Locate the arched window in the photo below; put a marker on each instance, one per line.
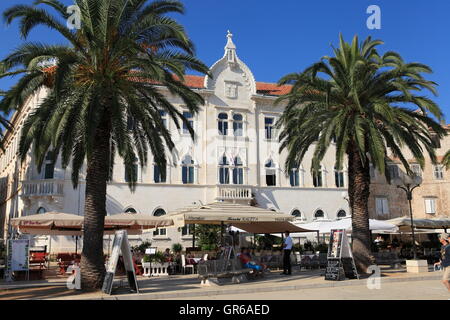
(271, 175)
(157, 175)
(159, 231)
(294, 178)
(224, 170)
(237, 125)
(190, 119)
(296, 213)
(133, 173)
(223, 124)
(317, 177)
(131, 210)
(49, 169)
(238, 171)
(41, 210)
(341, 214)
(187, 169)
(319, 214)
(339, 178)
(164, 120)
(159, 212)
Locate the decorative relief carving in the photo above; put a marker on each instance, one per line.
(231, 89)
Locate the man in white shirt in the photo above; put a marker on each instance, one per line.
(287, 247)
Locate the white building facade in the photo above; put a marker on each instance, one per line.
(234, 157)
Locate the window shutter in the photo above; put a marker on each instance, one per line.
(385, 206)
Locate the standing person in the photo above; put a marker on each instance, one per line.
(287, 247)
(445, 259)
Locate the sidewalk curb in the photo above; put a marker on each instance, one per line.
(156, 296)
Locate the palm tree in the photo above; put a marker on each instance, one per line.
(446, 160)
(110, 72)
(362, 101)
(4, 123)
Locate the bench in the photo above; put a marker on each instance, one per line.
(38, 259)
(388, 258)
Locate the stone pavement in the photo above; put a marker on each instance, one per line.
(188, 286)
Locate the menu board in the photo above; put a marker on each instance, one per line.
(340, 263)
(18, 253)
(120, 244)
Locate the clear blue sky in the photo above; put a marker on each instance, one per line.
(278, 37)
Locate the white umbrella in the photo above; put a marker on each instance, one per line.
(346, 223)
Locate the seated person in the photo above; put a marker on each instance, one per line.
(246, 261)
(167, 255)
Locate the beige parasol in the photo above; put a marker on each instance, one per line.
(248, 218)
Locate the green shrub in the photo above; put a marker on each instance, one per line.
(177, 247)
(141, 248)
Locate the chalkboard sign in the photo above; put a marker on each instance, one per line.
(120, 244)
(340, 263)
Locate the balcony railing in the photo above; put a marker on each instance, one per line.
(42, 188)
(234, 193)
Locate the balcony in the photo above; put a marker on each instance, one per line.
(226, 192)
(42, 188)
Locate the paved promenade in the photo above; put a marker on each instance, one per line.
(309, 284)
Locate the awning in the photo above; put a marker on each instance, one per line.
(249, 218)
(270, 227)
(65, 224)
(404, 223)
(346, 223)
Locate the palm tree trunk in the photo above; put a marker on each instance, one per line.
(92, 259)
(359, 190)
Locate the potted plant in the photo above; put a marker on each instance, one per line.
(177, 248)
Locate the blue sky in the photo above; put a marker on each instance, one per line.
(278, 37)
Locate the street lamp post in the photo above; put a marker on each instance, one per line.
(408, 184)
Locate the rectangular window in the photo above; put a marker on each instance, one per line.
(238, 176)
(163, 115)
(416, 169)
(438, 172)
(49, 168)
(160, 232)
(223, 128)
(271, 178)
(430, 205)
(188, 174)
(190, 118)
(49, 171)
(293, 179)
(317, 179)
(382, 206)
(393, 171)
(339, 179)
(187, 230)
(157, 177)
(135, 173)
(268, 125)
(436, 141)
(372, 172)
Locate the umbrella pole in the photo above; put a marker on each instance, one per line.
(318, 237)
(76, 244)
(221, 233)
